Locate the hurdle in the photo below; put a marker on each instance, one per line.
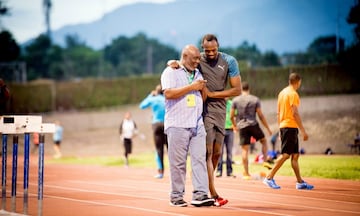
(15, 125)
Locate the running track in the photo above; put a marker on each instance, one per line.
(95, 190)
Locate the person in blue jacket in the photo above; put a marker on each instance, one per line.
(156, 101)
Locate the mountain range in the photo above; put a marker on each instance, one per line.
(278, 25)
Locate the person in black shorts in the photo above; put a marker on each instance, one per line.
(290, 124)
(128, 131)
(247, 107)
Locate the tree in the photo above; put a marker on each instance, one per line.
(46, 60)
(3, 11)
(249, 55)
(132, 56)
(9, 49)
(72, 41)
(323, 49)
(47, 8)
(37, 57)
(9, 52)
(350, 58)
(79, 60)
(354, 18)
(270, 59)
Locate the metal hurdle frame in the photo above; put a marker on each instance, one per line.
(23, 124)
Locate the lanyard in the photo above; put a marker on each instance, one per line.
(190, 75)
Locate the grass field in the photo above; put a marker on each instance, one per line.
(319, 166)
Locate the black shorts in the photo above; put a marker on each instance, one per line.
(289, 140)
(250, 131)
(57, 142)
(127, 145)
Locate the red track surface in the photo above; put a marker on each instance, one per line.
(95, 190)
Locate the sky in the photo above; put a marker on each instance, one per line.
(27, 18)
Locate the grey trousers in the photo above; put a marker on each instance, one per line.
(183, 141)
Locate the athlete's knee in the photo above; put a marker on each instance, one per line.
(216, 154)
(294, 157)
(285, 156)
(263, 141)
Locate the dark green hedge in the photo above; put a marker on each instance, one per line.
(31, 98)
(91, 93)
(316, 80)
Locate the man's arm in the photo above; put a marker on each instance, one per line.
(234, 90)
(120, 128)
(263, 120)
(299, 122)
(204, 93)
(234, 79)
(146, 102)
(175, 64)
(174, 93)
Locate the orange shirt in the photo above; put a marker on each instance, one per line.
(287, 98)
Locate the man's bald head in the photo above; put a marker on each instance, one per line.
(190, 57)
(190, 50)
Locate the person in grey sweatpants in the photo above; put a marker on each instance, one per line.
(184, 127)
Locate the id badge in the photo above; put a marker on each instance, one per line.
(190, 100)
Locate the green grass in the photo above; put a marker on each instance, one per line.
(319, 166)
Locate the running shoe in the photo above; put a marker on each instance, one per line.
(267, 165)
(271, 183)
(304, 186)
(219, 201)
(246, 177)
(178, 203)
(231, 175)
(202, 201)
(159, 176)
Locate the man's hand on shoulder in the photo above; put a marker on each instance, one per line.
(174, 64)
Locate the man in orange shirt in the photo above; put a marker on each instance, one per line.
(289, 123)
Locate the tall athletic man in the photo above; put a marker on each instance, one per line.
(290, 123)
(217, 68)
